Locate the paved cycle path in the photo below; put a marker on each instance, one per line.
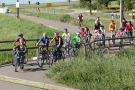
(31, 72)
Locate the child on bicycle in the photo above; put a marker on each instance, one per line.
(83, 35)
(112, 28)
(45, 43)
(77, 39)
(66, 36)
(88, 34)
(99, 36)
(80, 20)
(20, 35)
(21, 50)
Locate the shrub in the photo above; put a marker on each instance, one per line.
(65, 18)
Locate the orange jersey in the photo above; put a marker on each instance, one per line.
(112, 26)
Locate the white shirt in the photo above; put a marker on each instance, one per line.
(66, 36)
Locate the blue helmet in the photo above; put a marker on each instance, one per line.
(78, 32)
(20, 34)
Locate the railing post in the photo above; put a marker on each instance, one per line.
(85, 53)
(93, 46)
(108, 51)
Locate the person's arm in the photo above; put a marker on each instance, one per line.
(25, 49)
(132, 28)
(37, 43)
(94, 29)
(101, 36)
(95, 36)
(52, 40)
(62, 35)
(15, 47)
(59, 41)
(15, 42)
(115, 27)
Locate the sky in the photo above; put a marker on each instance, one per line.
(32, 1)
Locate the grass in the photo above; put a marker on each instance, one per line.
(113, 72)
(11, 27)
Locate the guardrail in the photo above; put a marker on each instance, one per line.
(119, 44)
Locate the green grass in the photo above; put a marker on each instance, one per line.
(11, 27)
(113, 72)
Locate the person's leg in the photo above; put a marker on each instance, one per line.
(128, 33)
(131, 35)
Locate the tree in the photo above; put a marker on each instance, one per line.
(104, 2)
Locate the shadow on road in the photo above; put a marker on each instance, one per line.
(34, 69)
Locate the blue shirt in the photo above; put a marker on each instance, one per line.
(44, 40)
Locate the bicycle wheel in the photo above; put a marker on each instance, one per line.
(16, 65)
(51, 58)
(72, 52)
(26, 58)
(14, 58)
(21, 65)
(62, 55)
(40, 60)
(114, 39)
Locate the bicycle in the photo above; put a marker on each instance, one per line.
(14, 57)
(42, 56)
(55, 56)
(74, 49)
(66, 49)
(18, 62)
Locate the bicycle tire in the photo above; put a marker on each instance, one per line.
(16, 65)
(40, 60)
(21, 66)
(13, 59)
(26, 58)
(62, 56)
(113, 40)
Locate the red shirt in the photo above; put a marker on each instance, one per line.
(83, 34)
(129, 27)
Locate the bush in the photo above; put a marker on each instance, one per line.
(65, 18)
(95, 72)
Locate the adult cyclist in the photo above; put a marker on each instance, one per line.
(58, 43)
(45, 43)
(77, 39)
(20, 35)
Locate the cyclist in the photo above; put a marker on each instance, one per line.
(123, 24)
(88, 34)
(45, 42)
(120, 33)
(83, 35)
(20, 35)
(112, 28)
(130, 29)
(99, 36)
(77, 39)
(80, 20)
(58, 43)
(96, 27)
(66, 36)
(98, 20)
(21, 47)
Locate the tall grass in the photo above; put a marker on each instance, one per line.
(10, 28)
(97, 73)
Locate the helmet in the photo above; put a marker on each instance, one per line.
(82, 28)
(78, 32)
(20, 34)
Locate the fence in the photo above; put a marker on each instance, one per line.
(119, 43)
